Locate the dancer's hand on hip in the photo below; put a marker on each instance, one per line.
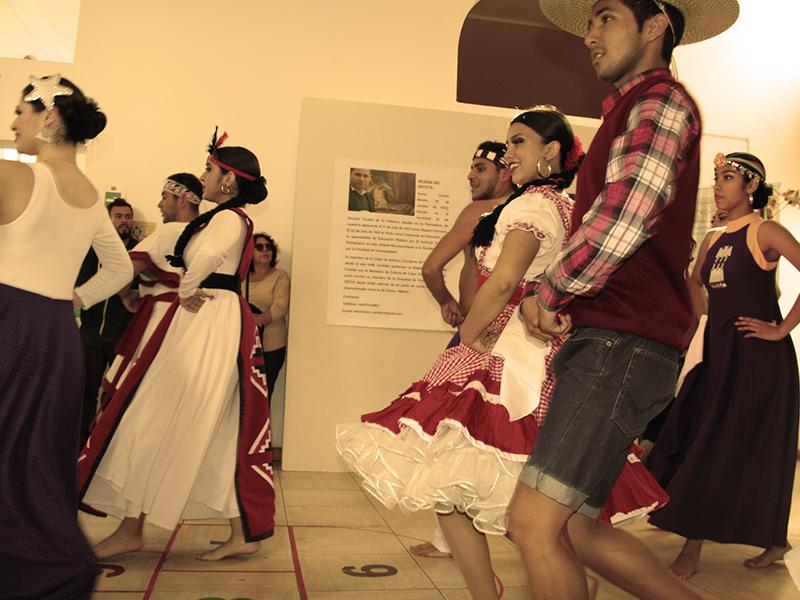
(195, 302)
(763, 330)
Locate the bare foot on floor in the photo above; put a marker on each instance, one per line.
(229, 549)
(428, 550)
(685, 566)
(767, 557)
(118, 543)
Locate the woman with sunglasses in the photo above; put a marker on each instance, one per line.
(269, 297)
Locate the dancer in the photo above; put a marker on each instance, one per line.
(456, 440)
(49, 215)
(620, 281)
(728, 449)
(158, 280)
(490, 185)
(103, 324)
(186, 436)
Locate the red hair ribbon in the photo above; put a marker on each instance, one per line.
(216, 161)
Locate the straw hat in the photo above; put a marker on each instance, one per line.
(704, 18)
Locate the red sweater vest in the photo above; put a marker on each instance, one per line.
(647, 294)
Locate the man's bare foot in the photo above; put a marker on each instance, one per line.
(767, 557)
(428, 550)
(229, 549)
(686, 565)
(119, 542)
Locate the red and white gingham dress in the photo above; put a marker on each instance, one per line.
(454, 439)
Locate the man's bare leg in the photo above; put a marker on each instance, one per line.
(127, 538)
(538, 526)
(767, 557)
(235, 546)
(471, 553)
(625, 561)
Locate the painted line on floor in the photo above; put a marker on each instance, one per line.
(224, 571)
(160, 565)
(298, 571)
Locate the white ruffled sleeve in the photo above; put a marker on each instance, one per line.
(223, 232)
(116, 269)
(536, 213)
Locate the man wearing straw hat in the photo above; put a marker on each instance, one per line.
(619, 284)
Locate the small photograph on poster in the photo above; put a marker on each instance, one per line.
(141, 229)
(378, 191)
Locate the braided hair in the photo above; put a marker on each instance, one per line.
(551, 125)
(248, 192)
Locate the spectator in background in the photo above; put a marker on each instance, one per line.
(269, 300)
(103, 324)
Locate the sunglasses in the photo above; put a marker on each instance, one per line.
(263, 247)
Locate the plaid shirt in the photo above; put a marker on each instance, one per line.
(642, 165)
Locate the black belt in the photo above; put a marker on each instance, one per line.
(218, 281)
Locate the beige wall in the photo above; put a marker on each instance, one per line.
(166, 72)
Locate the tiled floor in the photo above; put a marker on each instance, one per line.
(332, 542)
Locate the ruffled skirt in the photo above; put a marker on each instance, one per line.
(455, 441)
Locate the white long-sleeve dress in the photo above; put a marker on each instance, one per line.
(173, 455)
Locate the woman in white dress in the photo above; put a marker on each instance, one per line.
(186, 436)
(49, 216)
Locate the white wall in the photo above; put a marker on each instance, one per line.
(167, 72)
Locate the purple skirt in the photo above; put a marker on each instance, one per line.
(43, 553)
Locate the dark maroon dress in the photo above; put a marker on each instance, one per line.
(727, 452)
(43, 553)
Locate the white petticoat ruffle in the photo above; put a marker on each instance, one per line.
(404, 471)
(448, 471)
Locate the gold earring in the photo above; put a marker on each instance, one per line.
(225, 189)
(539, 169)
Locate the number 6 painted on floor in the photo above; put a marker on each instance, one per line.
(370, 571)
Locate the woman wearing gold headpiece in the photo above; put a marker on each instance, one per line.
(727, 452)
(49, 216)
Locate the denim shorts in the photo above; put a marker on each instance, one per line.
(608, 387)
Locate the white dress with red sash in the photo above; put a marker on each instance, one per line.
(158, 287)
(186, 435)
